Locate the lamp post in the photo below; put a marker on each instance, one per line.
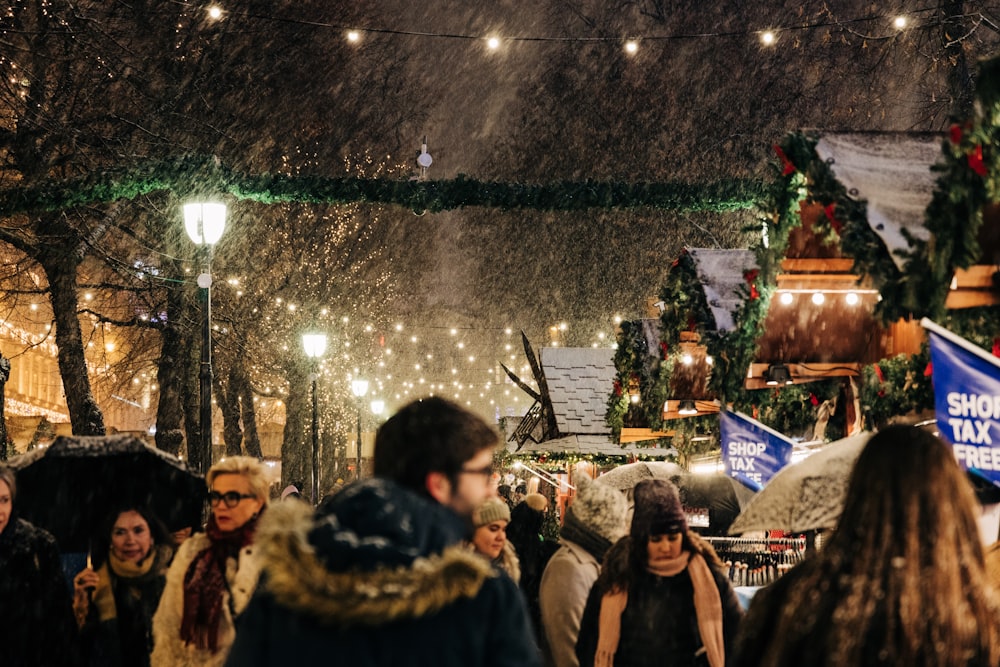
(314, 345)
(359, 388)
(378, 406)
(204, 223)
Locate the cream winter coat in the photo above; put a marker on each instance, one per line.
(241, 579)
(566, 583)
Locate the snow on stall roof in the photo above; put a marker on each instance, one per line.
(590, 444)
(580, 380)
(891, 171)
(720, 273)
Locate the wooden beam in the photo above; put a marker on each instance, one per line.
(802, 373)
(970, 298)
(978, 276)
(825, 278)
(830, 265)
(639, 434)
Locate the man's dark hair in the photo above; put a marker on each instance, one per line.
(429, 435)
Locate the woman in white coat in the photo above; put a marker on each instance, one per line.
(214, 574)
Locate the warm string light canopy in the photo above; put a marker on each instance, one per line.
(406, 361)
(768, 37)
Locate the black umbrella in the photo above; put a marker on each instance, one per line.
(70, 487)
(724, 497)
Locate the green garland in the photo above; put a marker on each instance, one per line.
(561, 461)
(895, 386)
(195, 176)
(635, 366)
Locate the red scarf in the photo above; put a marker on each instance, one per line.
(205, 583)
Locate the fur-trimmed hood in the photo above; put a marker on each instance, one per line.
(372, 554)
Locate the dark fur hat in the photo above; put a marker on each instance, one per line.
(658, 509)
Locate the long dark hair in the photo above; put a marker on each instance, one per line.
(902, 576)
(628, 558)
(102, 540)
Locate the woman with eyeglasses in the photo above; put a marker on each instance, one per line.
(214, 573)
(114, 604)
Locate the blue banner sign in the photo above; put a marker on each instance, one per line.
(752, 452)
(966, 400)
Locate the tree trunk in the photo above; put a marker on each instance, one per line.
(170, 377)
(60, 266)
(229, 404)
(251, 439)
(6, 448)
(296, 451)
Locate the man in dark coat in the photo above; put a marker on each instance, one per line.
(379, 575)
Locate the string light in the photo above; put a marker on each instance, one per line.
(768, 36)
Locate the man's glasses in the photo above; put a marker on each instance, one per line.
(230, 498)
(486, 471)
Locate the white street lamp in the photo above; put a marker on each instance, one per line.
(315, 345)
(378, 406)
(204, 223)
(359, 388)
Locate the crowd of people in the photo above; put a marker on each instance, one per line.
(426, 564)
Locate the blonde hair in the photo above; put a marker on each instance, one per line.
(257, 474)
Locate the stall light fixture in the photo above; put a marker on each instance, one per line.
(687, 407)
(777, 374)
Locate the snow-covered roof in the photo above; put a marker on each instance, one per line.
(580, 380)
(720, 273)
(591, 444)
(891, 171)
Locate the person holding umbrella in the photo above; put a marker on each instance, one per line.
(901, 581)
(36, 617)
(214, 573)
(661, 597)
(114, 604)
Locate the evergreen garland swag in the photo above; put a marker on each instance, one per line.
(200, 175)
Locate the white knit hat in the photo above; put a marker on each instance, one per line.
(600, 508)
(492, 509)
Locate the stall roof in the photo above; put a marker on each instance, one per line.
(591, 444)
(891, 172)
(720, 273)
(580, 380)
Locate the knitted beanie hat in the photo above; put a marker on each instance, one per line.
(537, 502)
(599, 508)
(492, 509)
(658, 509)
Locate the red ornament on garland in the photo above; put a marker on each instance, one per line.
(813, 399)
(663, 349)
(955, 133)
(996, 347)
(754, 294)
(617, 388)
(788, 166)
(837, 225)
(976, 163)
(929, 370)
(878, 373)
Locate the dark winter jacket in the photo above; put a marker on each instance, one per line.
(36, 614)
(378, 577)
(524, 532)
(659, 625)
(126, 639)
